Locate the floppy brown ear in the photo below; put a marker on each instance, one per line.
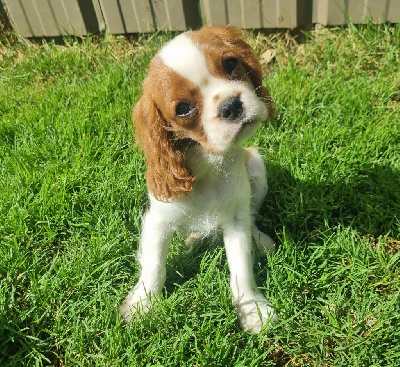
(232, 36)
(167, 175)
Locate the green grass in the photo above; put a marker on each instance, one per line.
(72, 192)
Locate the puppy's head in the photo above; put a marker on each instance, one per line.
(204, 88)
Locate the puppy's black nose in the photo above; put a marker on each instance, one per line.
(231, 109)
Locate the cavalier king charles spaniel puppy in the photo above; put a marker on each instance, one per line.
(203, 96)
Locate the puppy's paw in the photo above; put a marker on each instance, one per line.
(264, 242)
(253, 315)
(134, 306)
(191, 241)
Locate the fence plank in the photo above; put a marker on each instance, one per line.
(38, 18)
(133, 16)
(342, 12)
(257, 14)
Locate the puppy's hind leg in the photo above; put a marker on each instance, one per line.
(258, 181)
(264, 242)
(191, 241)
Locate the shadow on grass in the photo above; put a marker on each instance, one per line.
(368, 202)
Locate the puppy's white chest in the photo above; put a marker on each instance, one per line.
(216, 196)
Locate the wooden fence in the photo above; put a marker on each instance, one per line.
(38, 18)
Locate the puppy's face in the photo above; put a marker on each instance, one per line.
(207, 86)
(203, 88)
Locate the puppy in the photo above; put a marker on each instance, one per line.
(202, 98)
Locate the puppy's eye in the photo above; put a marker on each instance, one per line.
(183, 109)
(230, 64)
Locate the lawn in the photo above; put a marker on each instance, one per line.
(72, 193)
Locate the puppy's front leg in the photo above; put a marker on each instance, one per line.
(152, 256)
(254, 310)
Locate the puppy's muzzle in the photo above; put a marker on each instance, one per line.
(231, 109)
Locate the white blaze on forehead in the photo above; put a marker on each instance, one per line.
(182, 56)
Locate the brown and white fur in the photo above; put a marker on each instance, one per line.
(202, 97)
